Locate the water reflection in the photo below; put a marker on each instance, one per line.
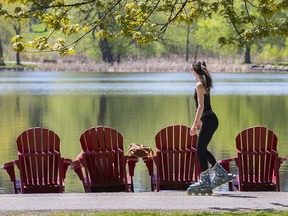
(51, 83)
(138, 105)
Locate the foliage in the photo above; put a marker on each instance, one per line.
(144, 21)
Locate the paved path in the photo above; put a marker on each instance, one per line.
(177, 201)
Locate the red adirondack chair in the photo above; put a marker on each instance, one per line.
(176, 159)
(257, 160)
(103, 161)
(41, 167)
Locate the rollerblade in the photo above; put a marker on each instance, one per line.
(203, 186)
(221, 176)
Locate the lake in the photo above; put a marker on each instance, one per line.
(138, 105)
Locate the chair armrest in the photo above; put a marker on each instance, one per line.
(225, 163)
(228, 160)
(131, 161)
(149, 161)
(176, 151)
(77, 167)
(149, 164)
(66, 163)
(279, 162)
(9, 167)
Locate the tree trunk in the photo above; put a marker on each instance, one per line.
(30, 24)
(106, 51)
(247, 55)
(18, 31)
(2, 63)
(187, 43)
(196, 52)
(18, 58)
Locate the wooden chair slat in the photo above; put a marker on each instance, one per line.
(104, 164)
(39, 161)
(257, 157)
(176, 159)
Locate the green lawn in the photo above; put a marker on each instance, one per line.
(141, 213)
(13, 65)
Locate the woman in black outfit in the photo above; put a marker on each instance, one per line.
(206, 122)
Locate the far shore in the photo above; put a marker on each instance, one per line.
(143, 65)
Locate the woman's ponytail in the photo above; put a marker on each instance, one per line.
(200, 68)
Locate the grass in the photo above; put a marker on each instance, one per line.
(141, 213)
(13, 65)
(282, 63)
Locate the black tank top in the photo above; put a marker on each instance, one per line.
(207, 104)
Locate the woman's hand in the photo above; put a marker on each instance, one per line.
(198, 125)
(193, 130)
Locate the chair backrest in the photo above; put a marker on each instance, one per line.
(257, 155)
(103, 155)
(176, 154)
(40, 162)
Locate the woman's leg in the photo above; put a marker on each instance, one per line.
(209, 126)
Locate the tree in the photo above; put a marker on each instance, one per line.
(136, 19)
(2, 63)
(11, 27)
(105, 47)
(247, 59)
(17, 28)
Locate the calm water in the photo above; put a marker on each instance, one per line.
(138, 105)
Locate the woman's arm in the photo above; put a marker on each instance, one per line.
(197, 121)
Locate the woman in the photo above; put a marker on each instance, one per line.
(206, 122)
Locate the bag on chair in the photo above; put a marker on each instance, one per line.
(139, 151)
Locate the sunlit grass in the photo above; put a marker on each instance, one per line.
(142, 213)
(12, 65)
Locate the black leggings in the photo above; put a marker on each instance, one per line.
(209, 126)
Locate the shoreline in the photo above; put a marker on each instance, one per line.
(144, 65)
